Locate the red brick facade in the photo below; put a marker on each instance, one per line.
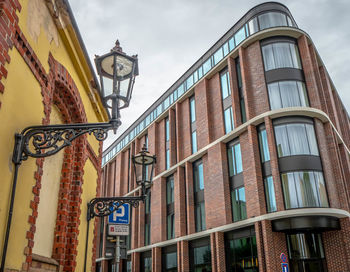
(332, 129)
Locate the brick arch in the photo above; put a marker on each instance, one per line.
(65, 96)
(60, 90)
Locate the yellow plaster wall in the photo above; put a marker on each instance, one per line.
(21, 106)
(39, 28)
(89, 192)
(47, 209)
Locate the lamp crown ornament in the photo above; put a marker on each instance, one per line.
(117, 47)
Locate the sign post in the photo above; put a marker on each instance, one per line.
(118, 224)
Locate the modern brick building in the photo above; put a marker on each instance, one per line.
(252, 145)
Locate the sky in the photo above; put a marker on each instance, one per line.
(170, 35)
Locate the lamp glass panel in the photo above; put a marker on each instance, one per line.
(124, 87)
(124, 67)
(107, 65)
(107, 86)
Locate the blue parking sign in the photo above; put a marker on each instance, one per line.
(285, 267)
(120, 216)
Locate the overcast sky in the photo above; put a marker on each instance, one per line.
(170, 35)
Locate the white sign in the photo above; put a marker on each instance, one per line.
(114, 230)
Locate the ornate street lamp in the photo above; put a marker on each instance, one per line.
(117, 76)
(104, 206)
(43, 141)
(143, 162)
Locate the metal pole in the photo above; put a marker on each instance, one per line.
(12, 201)
(87, 236)
(117, 253)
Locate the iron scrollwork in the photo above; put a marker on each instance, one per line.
(104, 206)
(43, 141)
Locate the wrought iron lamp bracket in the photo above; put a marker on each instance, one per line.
(44, 141)
(104, 206)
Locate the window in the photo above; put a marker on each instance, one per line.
(200, 256)
(192, 109)
(239, 208)
(296, 139)
(218, 55)
(241, 252)
(207, 66)
(169, 259)
(281, 55)
(263, 146)
(170, 207)
(240, 90)
(234, 159)
(146, 261)
(306, 252)
(167, 144)
(226, 100)
(228, 118)
(253, 26)
(225, 84)
(148, 218)
(285, 94)
(194, 142)
(270, 194)
(193, 125)
(272, 19)
(198, 179)
(240, 35)
(304, 189)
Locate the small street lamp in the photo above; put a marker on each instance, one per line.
(142, 162)
(41, 141)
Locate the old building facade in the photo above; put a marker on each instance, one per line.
(252, 146)
(46, 78)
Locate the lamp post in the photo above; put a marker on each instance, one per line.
(117, 75)
(104, 206)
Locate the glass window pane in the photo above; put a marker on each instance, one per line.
(166, 103)
(304, 102)
(253, 26)
(289, 94)
(202, 255)
(264, 147)
(240, 36)
(200, 217)
(193, 109)
(231, 161)
(270, 195)
(189, 82)
(272, 19)
(269, 61)
(228, 116)
(238, 157)
(195, 76)
(289, 191)
(194, 142)
(295, 55)
(207, 66)
(171, 260)
(297, 139)
(231, 43)
(170, 190)
(282, 141)
(167, 132)
(218, 56)
(312, 139)
(200, 72)
(180, 90)
(282, 55)
(167, 159)
(321, 188)
(225, 87)
(225, 48)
